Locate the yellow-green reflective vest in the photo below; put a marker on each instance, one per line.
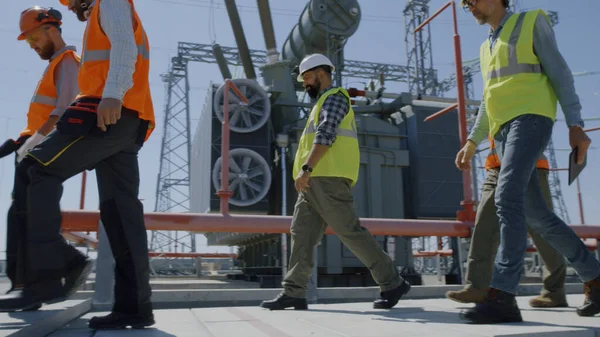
(343, 157)
(513, 78)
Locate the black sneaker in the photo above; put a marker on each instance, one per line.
(116, 320)
(388, 299)
(498, 307)
(283, 301)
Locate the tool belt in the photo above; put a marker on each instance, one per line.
(80, 119)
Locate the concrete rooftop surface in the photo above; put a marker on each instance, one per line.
(410, 318)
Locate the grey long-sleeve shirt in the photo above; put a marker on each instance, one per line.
(553, 65)
(116, 20)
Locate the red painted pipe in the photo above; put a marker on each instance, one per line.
(441, 112)
(81, 221)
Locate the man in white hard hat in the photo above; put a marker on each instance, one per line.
(325, 170)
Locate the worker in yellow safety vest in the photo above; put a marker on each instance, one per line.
(41, 29)
(325, 170)
(486, 238)
(524, 76)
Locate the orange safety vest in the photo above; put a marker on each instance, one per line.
(95, 58)
(493, 161)
(45, 96)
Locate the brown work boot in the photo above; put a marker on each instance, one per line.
(591, 305)
(467, 295)
(549, 300)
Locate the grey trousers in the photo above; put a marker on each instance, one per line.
(329, 202)
(486, 239)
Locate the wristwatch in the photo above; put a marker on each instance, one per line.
(305, 168)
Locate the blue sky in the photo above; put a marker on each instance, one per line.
(169, 21)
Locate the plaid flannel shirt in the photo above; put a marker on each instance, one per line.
(332, 113)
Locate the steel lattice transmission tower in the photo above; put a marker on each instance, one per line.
(173, 185)
(421, 76)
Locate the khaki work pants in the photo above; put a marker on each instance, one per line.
(329, 202)
(486, 239)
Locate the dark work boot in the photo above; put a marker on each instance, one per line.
(116, 320)
(591, 305)
(283, 301)
(32, 296)
(33, 307)
(498, 307)
(388, 299)
(77, 276)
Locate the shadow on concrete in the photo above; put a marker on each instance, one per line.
(419, 314)
(80, 325)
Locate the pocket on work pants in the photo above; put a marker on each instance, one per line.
(80, 119)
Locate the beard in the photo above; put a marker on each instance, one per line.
(313, 90)
(47, 51)
(480, 18)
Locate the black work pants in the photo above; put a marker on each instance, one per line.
(113, 154)
(15, 232)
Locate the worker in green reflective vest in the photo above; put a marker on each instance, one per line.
(325, 169)
(524, 75)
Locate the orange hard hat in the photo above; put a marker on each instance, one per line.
(34, 17)
(64, 2)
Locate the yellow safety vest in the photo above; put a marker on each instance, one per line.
(513, 78)
(343, 157)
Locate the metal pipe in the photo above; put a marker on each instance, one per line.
(240, 39)
(441, 112)
(468, 212)
(82, 197)
(580, 202)
(283, 210)
(221, 61)
(264, 11)
(224, 192)
(79, 221)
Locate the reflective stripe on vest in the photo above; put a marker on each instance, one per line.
(311, 128)
(514, 81)
(96, 65)
(45, 97)
(45, 100)
(514, 67)
(104, 55)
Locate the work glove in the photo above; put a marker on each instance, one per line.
(29, 144)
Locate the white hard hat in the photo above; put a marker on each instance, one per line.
(312, 61)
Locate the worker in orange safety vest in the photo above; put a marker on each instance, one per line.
(486, 239)
(40, 27)
(103, 129)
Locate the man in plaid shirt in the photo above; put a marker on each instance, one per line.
(325, 170)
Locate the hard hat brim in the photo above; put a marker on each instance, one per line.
(300, 79)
